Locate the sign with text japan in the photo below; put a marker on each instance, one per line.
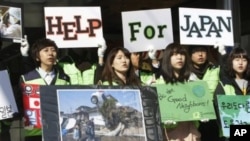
(74, 26)
(205, 26)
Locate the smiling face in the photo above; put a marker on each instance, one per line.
(47, 57)
(121, 63)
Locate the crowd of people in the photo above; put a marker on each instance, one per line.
(178, 63)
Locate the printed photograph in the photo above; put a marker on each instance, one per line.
(101, 115)
(10, 22)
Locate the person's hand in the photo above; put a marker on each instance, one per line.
(169, 122)
(152, 52)
(221, 48)
(204, 120)
(101, 48)
(24, 46)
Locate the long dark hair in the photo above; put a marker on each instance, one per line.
(237, 52)
(167, 69)
(109, 74)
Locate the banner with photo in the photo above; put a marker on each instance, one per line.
(233, 110)
(7, 100)
(74, 27)
(144, 29)
(100, 113)
(11, 22)
(205, 26)
(185, 101)
(31, 105)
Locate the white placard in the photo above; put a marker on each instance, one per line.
(205, 26)
(142, 29)
(74, 27)
(7, 101)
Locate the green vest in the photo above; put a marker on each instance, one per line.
(76, 76)
(212, 78)
(145, 77)
(229, 89)
(40, 81)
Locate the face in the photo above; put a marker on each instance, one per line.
(177, 60)
(135, 59)
(239, 65)
(47, 57)
(199, 56)
(120, 63)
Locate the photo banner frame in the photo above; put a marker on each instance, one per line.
(131, 113)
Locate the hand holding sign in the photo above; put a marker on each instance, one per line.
(101, 48)
(24, 46)
(221, 48)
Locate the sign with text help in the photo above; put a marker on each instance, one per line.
(74, 27)
(205, 26)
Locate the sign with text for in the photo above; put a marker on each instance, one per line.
(233, 110)
(31, 104)
(146, 28)
(72, 27)
(7, 101)
(205, 26)
(185, 101)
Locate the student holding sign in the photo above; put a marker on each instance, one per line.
(205, 69)
(79, 64)
(142, 67)
(44, 53)
(174, 69)
(118, 68)
(236, 78)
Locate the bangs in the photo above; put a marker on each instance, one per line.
(126, 53)
(179, 50)
(240, 55)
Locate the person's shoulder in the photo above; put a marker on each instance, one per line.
(33, 74)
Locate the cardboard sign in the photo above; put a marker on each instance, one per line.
(7, 101)
(72, 27)
(146, 28)
(205, 26)
(233, 110)
(31, 103)
(185, 102)
(103, 113)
